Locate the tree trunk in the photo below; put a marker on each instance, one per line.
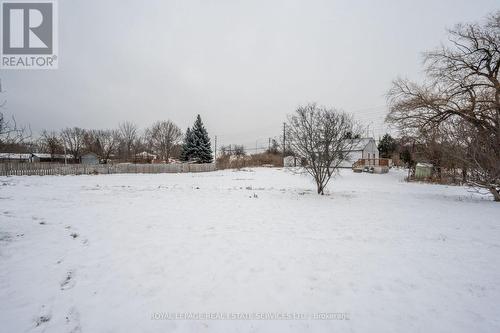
(496, 194)
(320, 189)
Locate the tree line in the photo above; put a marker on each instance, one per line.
(127, 143)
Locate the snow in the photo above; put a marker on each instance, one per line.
(112, 253)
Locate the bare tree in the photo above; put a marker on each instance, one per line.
(10, 133)
(73, 141)
(128, 135)
(50, 142)
(462, 91)
(479, 155)
(109, 141)
(102, 142)
(273, 147)
(239, 150)
(163, 137)
(233, 150)
(139, 145)
(323, 139)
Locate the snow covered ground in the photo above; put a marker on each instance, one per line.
(119, 253)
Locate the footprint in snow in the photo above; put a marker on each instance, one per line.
(44, 316)
(39, 219)
(69, 281)
(41, 320)
(8, 214)
(73, 320)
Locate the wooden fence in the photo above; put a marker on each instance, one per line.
(371, 162)
(44, 169)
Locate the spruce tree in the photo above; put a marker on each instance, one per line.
(199, 144)
(187, 150)
(387, 146)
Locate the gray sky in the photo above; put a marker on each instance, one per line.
(243, 65)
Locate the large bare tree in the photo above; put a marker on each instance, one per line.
(163, 137)
(102, 142)
(323, 138)
(128, 137)
(50, 142)
(461, 97)
(73, 140)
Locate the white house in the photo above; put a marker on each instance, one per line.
(364, 148)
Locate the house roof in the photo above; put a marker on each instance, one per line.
(360, 144)
(14, 156)
(145, 154)
(46, 155)
(28, 156)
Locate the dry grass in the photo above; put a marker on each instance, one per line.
(256, 160)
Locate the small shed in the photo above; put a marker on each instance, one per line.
(423, 170)
(291, 161)
(90, 159)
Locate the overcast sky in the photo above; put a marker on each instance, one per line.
(242, 65)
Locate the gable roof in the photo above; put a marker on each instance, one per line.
(360, 144)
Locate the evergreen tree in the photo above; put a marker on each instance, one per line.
(202, 150)
(387, 146)
(197, 145)
(187, 150)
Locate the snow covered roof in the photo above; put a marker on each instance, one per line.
(46, 155)
(360, 144)
(145, 154)
(27, 156)
(14, 156)
(424, 165)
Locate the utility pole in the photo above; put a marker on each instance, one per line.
(269, 145)
(65, 156)
(284, 139)
(215, 150)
